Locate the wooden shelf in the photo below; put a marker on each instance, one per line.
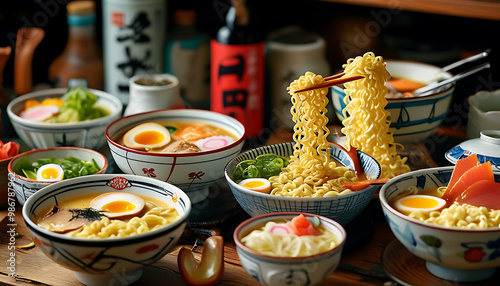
(480, 9)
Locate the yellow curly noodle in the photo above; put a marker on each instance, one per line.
(290, 245)
(311, 172)
(366, 123)
(457, 215)
(152, 219)
(462, 216)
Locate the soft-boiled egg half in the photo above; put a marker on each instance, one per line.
(147, 136)
(257, 184)
(421, 203)
(118, 204)
(50, 173)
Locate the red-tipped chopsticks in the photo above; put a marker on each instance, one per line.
(330, 81)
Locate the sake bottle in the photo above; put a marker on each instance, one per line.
(82, 55)
(237, 69)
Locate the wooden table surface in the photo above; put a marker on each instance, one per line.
(361, 263)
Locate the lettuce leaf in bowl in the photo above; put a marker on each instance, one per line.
(79, 105)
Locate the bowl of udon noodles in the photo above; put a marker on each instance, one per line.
(272, 252)
(185, 147)
(413, 118)
(288, 194)
(458, 242)
(107, 227)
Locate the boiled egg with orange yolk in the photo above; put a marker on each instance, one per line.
(257, 184)
(147, 136)
(50, 173)
(118, 204)
(421, 203)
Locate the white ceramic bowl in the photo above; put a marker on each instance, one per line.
(486, 147)
(412, 119)
(272, 270)
(116, 261)
(445, 249)
(24, 187)
(484, 113)
(85, 134)
(342, 209)
(194, 173)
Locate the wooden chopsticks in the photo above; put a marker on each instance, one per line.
(330, 81)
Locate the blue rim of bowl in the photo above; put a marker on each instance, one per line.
(385, 203)
(278, 258)
(235, 143)
(59, 92)
(109, 241)
(9, 166)
(263, 195)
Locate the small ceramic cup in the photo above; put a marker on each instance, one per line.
(153, 92)
(484, 113)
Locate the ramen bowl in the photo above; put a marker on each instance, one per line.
(25, 187)
(414, 118)
(42, 135)
(342, 208)
(194, 173)
(112, 260)
(450, 253)
(276, 271)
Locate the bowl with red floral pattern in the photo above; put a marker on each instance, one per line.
(449, 217)
(188, 148)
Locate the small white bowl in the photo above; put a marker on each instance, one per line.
(24, 187)
(412, 119)
(446, 250)
(484, 113)
(487, 148)
(194, 173)
(107, 261)
(271, 270)
(86, 134)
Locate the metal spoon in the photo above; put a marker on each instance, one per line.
(423, 90)
(466, 60)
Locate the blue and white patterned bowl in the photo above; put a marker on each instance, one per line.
(486, 147)
(341, 208)
(85, 134)
(107, 261)
(451, 253)
(283, 271)
(25, 187)
(412, 119)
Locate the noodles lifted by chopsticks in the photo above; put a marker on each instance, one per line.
(311, 172)
(366, 123)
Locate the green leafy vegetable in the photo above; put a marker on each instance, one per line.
(78, 105)
(72, 167)
(263, 166)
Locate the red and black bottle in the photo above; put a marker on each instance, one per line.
(237, 70)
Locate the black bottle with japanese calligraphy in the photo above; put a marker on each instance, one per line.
(237, 70)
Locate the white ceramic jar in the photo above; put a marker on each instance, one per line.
(291, 52)
(134, 37)
(484, 112)
(165, 94)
